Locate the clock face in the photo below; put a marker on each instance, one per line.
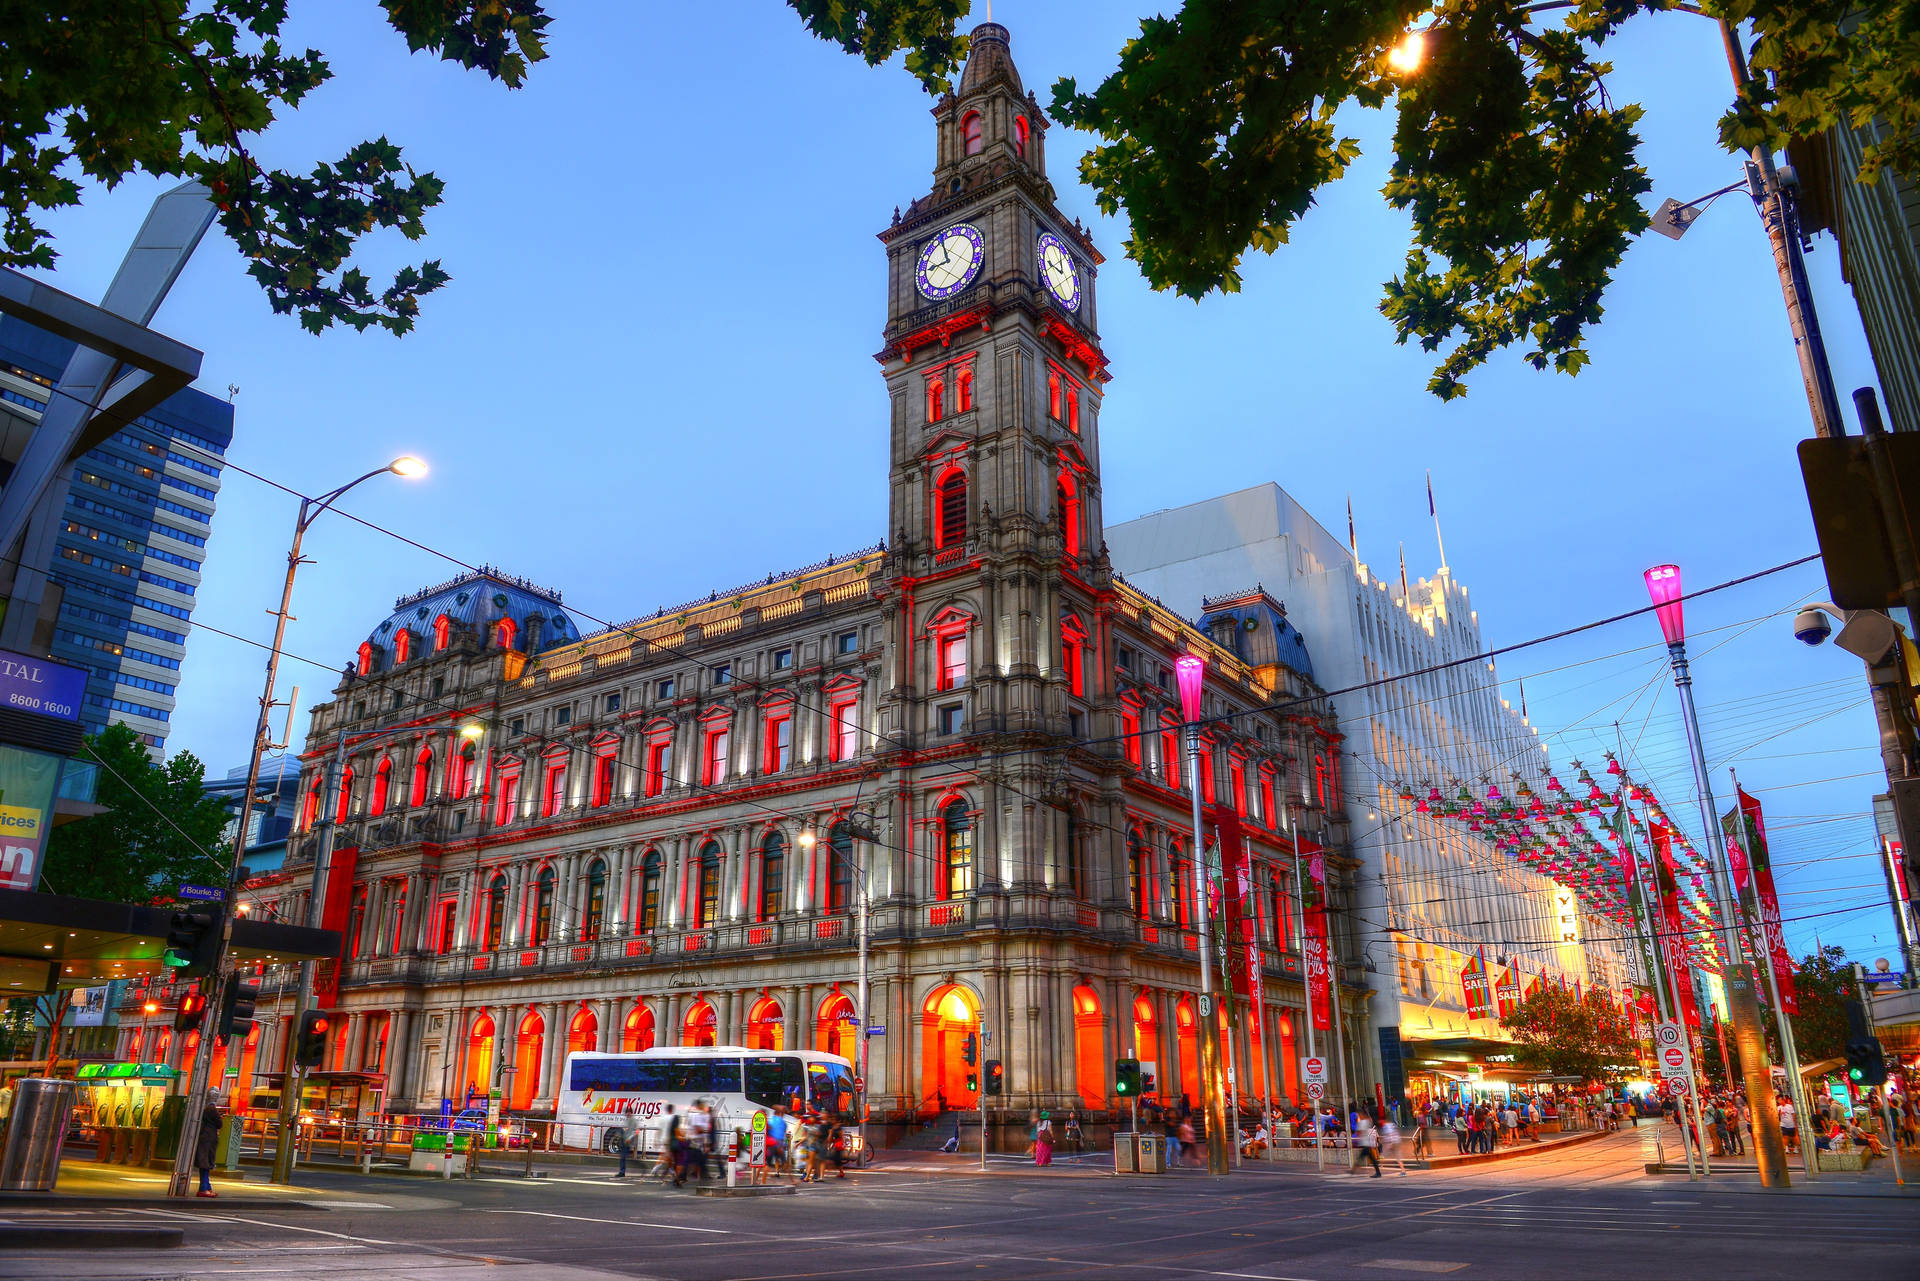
(1058, 270)
(950, 261)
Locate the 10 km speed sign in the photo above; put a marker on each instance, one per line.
(1665, 1034)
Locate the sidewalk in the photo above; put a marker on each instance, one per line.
(96, 1184)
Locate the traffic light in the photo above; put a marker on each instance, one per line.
(191, 943)
(1126, 1078)
(236, 1011)
(191, 1011)
(311, 1046)
(973, 1083)
(1866, 1062)
(996, 1077)
(970, 1050)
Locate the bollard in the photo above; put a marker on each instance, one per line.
(366, 1153)
(446, 1157)
(733, 1171)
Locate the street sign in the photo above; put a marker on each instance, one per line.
(1316, 1090)
(1206, 1004)
(879, 1029)
(1313, 1070)
(205, 893)
(1665, 1034)
(1673, 1063)
(859, 1084)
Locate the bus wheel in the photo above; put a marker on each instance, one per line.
(610, 1143)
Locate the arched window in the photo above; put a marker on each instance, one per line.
(463, 771)
(402, 646)
(365, 664)
(1073, 413)
(650, 891)
(936, 401)
(963, 391)
(706, 890)
(1067, 510)
(1180, 883)
(773, 876)
(958, 852)
(1138, 877)
(442, 632)
(382, 778)
(346, 795)
(950, 510)
(505, 632)
(1053, 395)
(422, 777)
(971, 141)
(1073, 655)
(1020, 137)
(310, 807)
(591, 919)
(496, 910)
(839, 868)
(543, 906)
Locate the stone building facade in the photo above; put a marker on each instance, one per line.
(665, 832)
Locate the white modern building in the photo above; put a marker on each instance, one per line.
(1431, 896)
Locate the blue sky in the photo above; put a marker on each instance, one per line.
(652, 377)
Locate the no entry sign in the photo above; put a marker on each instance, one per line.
(1673, 1063)
(1313, 1070)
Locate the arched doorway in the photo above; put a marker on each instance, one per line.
(584, 1032)
(833, 1032)
(162, 1045)
(948, 1017)
(1188, 1033)
(1089, 1048)
(249, 1053)
(638, 1032)
(527, 1053)
(766, 1025)
(1289, 1064)
(1146, 1048)
(698, 1028)
(480, 1056)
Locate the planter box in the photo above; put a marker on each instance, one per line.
(1843, 1160)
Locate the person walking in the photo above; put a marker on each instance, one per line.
(1390, 1144)
(1365, 1139)
(668, 1164)
(206, 1145)
(1043, 1140)
(1074, 1140)
(1789, 1124)
(1422, 1143)
(629, 1135)
(1186, 1140)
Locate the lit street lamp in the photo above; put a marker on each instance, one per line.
(222, 972)
(1663, 585)
(1191, 670)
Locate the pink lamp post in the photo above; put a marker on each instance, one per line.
(1190, 672)
(1663, 585)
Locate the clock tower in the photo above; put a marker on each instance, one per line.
(997, 572)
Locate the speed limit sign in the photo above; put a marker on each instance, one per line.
(1665, 1034)
(1315, 1090)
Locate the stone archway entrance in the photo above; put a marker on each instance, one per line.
(479, 1076)
(638, 1033)
(833, 1030)
(1146, 1048)
(584, 1032)
(766, 1025)
(698, 1028)
(1188, 1033)
(949, 1015)
(527, 1049)
(1090, 1066)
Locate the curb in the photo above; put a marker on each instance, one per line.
(766, 1190)
(85, 1238)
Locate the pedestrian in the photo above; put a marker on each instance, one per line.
(1789, 1123)
(629, 1135)
(1170, 1135)
(1186, 1140)
(206, 1145)
(777, 1142)
(1390, 1145)
(1033, 1131)
(1462, 1128)
(803, 1158)
(1422, 1142)
(1074, 1140)
(668, 1164)
(837, 1144)
(1043, 1140)
(700, 1131)
(1716, 1119)
(1365, 1139)
(1740, 1123)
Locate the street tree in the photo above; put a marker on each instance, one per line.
(1556, 1032)
(99, 90)
(158, 829)
(1520, 172)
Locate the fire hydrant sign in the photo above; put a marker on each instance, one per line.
(1313, 1070)
(1673, 1063)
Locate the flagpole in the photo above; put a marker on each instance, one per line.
(1763, 955)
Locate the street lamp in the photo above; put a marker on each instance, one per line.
(1663, 585)
(1191, 673)
(310, 510)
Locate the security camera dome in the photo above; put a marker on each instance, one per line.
(1811, 626)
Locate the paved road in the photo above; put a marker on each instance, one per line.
(1586, 1212)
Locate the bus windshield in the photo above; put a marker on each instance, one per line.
(830, 1087)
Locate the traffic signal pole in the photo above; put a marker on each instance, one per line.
(1886, 1108)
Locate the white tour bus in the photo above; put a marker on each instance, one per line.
(736, 1081)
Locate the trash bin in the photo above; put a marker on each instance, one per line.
(1153, 1154)
(1123, 1158)
(30, 1161)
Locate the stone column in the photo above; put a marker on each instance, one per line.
(559, 1026)
(399, 1065)
(606, 1037)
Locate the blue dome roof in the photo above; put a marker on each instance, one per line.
(1254, 613)
(475, 602)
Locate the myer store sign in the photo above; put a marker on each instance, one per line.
(1569, 913)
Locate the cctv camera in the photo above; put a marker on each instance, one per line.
(1811, 626)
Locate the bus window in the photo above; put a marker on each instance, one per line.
(655, 1076)
(772, 1081)
(829, 1087)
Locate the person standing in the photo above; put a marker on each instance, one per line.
(1043, 1140)
(629, 1137)
(206, 1145)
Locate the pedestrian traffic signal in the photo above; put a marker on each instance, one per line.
(236, 1011)
(1866, 1061)
(973, 1083)
(996, 1077)
(191, 943)
(192, 1009)
(970, 1049)
(1126, 1078)
(310, 1046)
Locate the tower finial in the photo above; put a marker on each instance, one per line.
(1434, 512)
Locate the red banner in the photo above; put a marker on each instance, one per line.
(1506, 993)
(1243, 943)
(1673, 938)
(1319, 944)
(1475, 990)
(1753, 876)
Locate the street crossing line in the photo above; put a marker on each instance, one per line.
(622, 1223)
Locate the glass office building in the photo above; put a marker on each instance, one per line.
(134, 533)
